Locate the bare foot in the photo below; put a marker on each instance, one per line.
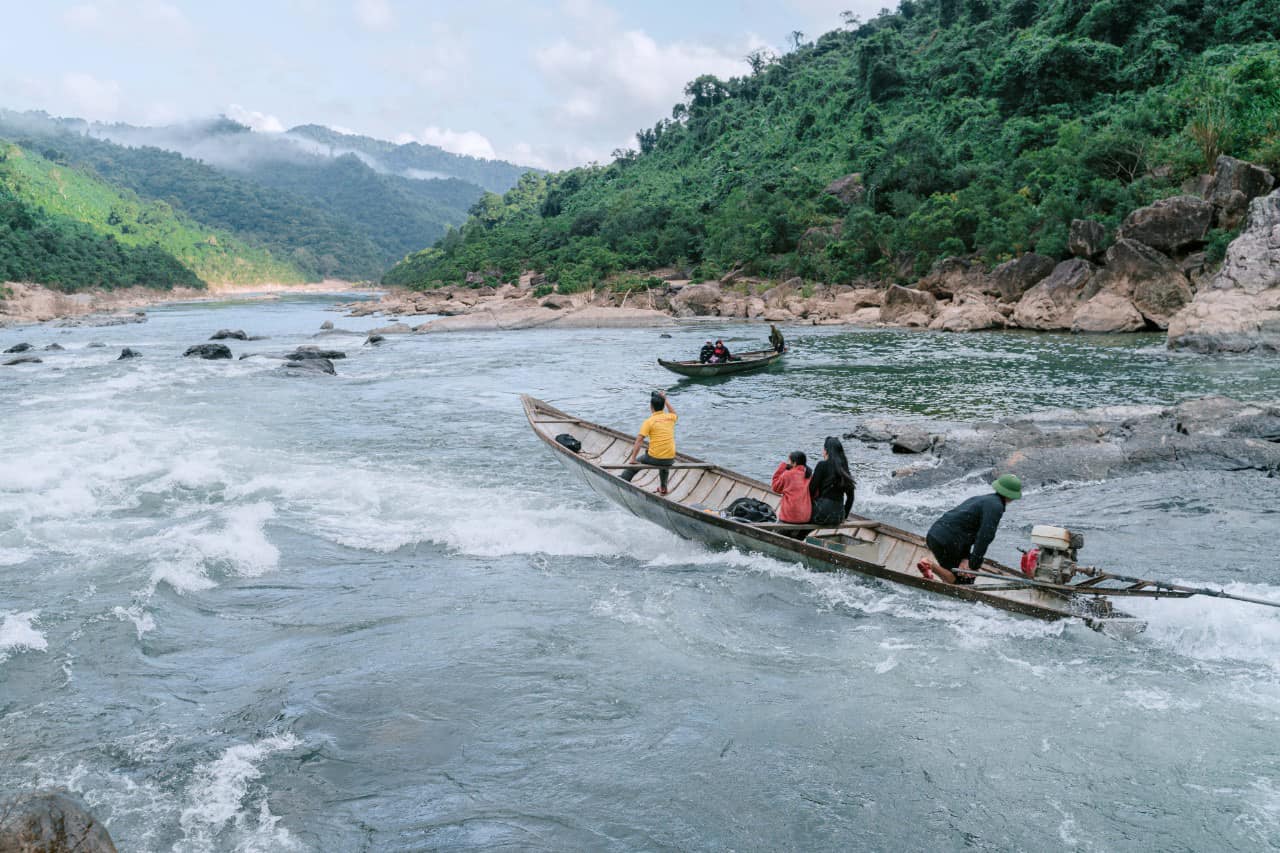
(926, 570)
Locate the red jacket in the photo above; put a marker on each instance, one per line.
(793, 485)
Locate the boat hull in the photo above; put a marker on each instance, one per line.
(747, 363)
(696, 523)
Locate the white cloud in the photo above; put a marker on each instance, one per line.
(91, 97)
(467, 142)
(374, 15)
(262, 122)
(145, 20)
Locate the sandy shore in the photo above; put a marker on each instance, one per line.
(32, 303)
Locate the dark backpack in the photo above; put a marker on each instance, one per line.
(751, 511)
(569, 442)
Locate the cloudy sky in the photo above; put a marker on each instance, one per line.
(549, 83)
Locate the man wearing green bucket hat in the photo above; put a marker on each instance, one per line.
(959, 539)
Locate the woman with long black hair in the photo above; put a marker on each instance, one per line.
(831, 487)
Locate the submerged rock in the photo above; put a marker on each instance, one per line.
(94, 345)
(326, 326)
(22, 347)
(310, 366)
(374, 340)
(23, 359)
(229, 335)
(54, 348)
(208, 351)
(52, 821)
(1213, 433)
(127, 353)
(304, 353)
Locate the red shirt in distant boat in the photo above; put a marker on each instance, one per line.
(793, 484)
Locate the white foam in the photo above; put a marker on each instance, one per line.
(220, 799)
(17, 633)
(1215, 629)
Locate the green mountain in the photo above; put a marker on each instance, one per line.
(67, 227)
(960, 126)
(416, 160)
(319, 242)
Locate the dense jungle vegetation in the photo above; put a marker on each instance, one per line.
(68, 228)
(976, 127)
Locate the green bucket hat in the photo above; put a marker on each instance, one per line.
(1008, 486)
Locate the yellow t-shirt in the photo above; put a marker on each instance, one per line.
(660, 429)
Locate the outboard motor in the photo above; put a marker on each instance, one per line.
(1053, 557)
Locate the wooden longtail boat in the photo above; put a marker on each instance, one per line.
(744, 363)
(699, 490)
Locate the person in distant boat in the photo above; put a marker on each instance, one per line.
(791, 480)
(775, 339)
(721, 353)
(831, 488)
(660, 429)
(708, 350)
(959, 539)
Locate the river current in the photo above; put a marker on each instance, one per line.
(244, 611)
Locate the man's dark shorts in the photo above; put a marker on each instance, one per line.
(948, 556)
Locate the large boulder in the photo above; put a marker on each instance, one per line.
(698, 300)
(1240, 310)
(1087, 238)
(1154, 284)
(208, 351)
(16, 348)
(1234, 184)
(1052, 303)
(902, 306)
(557, 302)
(1013, 278)
(953, 275)
(1108, 312)
(309, 352)
(968, 312)
(1170, 224)
(51, 822)
(308, 367)
(849, 189)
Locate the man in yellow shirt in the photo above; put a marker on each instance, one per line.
(660, 429)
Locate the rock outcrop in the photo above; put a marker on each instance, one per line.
(310, 366)
(1147, 280)
(1170, 224)
(904, 306)
(1052, 304)
(1214, 434)
(1234, 185)
(1240, 310)
(968, 312)
(1108, 312)
(1013, 278)
(848, 189)
(1087, 238)
(208, 351)
(51, 822)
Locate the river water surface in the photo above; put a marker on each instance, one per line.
(241, 611)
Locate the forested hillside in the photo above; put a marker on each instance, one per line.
(960, 127)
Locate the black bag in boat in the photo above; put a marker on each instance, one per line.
(750, 510)
(569, 442)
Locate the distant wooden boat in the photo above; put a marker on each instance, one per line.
(744, 363)
(699, 490)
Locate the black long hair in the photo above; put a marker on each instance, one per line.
(835, 452)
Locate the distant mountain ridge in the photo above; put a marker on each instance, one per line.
(318, 203)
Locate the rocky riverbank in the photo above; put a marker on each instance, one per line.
(1209, 434)
(23, 304)
(1152, 273)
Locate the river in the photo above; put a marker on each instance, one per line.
(243, 611)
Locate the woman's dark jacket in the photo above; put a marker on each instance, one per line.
(832, 495)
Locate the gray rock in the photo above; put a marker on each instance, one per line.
(304, 353)
(208, 351)
(22, 347)
(1170, 224)
(557, 302)
(907, 307)
(229, 335)
(127, 353)
(1014, 278)
(950, 276)
(1216, 434)
(95, 345)
(308, 367)
(698, 300)
(326, 326)
(1052, 303)
(374, 339)
(23, 359)
(51, 822)
(1234, 184)
(1154, 284)
(54, 348)
(849, 188)
(911, 440)
(1087, 238)
(393, 329)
